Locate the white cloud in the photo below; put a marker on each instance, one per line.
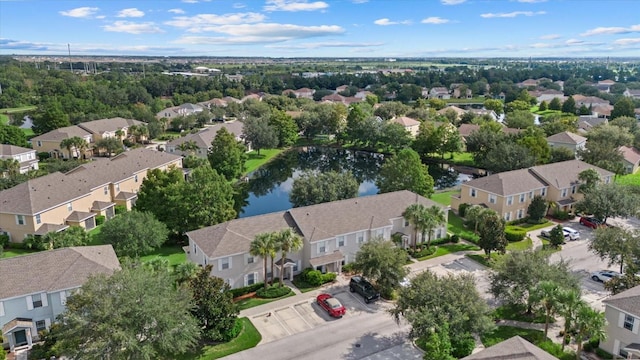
(629, 41)
(100, 17)
(512, 14)
(541, 45)
(261, 33)
(208, 22)
(190, 1)
(452, 2)
(387, 22)
(81, 12)
(550, 37)
(176, 11)
(359, 1)
(328, 44)
(434, 20)
(612, 30)
(133, 27)
(130, 12)
(294, 5)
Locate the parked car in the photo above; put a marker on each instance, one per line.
(604, 275)
(573, 234)
(590, 222)
(361, 286)
(331, 305)
(547, 234)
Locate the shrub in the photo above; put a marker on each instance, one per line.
(455, 238)
(313, 278)
(603, 354)
(36, 243)
(21, 245)
(462, 209)
(245, 290)
(556, 350)
(329, 277)
(514, 234)
(420, 253)
(273, 291)
(120, 209)
(463, 346)
(233, 332)
(42, 156)
(4, 240)
(561, 215)
(441, 241)
(347, 267)
(100, 220)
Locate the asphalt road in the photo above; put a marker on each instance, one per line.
(371, 336)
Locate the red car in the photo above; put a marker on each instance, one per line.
(591, 222)
(331, 305)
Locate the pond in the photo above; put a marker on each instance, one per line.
(269, 187)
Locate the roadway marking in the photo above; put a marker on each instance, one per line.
(274, 314)
(300, 315)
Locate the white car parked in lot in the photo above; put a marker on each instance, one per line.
(573, 234)
(604, 275)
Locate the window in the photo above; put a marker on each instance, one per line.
(225, 263)
(510, 200)
(38, 219)
(296, 266)
(39, 143)
(20, 219)
(543, 192)
(250, 279)
(380, 233)
(339, 241)
(250, 260)
(322, 247)
(36, 300)
(135, 178)
(195, 249)
(472, 192)
(573, 189)
(564, 192)
(117, 187)
(507, 216)
(607, 180)
(1, 308)
(628, 322)
(522, 197)
(41, 325)
(530, 194)
(520, 213)
(406, 222)
(492, 198)
(69, 207)
(360, 237)
(106, 190)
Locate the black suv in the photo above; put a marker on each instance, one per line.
(363, 287)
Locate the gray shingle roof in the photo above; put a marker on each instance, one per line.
(515, 348)
(314, 222)
(104, 125)
(630, 154)
(564, 174)
(10, 150)
(627, 301)
(203, 138)
(55, 270)
(566, 137)
(62, 133)
(508, 183)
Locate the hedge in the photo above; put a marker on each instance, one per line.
(100, 220)
(119, 209)
(514, 235)
(315, 277)
(423, 252)
(273, 291)
(247, 289)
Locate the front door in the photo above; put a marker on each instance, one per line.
(20, 337)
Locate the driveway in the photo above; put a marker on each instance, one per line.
(304, 314)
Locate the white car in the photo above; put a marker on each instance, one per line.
(573, 234)
(604, 275)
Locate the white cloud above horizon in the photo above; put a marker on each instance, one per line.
(387, 22)
(176, 11)
(294, 5)
(512, 14)
(452, 2)
(435, 20)
(130, 12)
(612, 30)
(133, 27)
(84, 12)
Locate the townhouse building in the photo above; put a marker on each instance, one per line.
(622, 312)
(332, 232)
(26, 158)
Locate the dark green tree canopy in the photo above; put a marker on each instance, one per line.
(227, 155)
(260, 134)
(383, 262)
(316, 188)
(133, 233)
(405, 171)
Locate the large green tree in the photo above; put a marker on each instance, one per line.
(288, 241)
(316, 188)
(285, 127)
(12, 135)
(132, 314)
(609, 200)
(405, 171)
(616, 245)
(213, 305)
(159, 193)
(623, 107)
(547, 295)
(227, 155)
(133, 233)
(602, 147)
(262, 245)
(430, 302)
(260, 134)
(537, 209)
(381, 261)
(49, 116)
(491, 232)
(519, 119)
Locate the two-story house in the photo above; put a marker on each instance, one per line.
(333, 233)
(203, 138)
(57, 201)
(630, 159)
(35, 287)
(25, 157)
(622, 312)
(180, 110)
(439, 93)
(568, 140)
(509, 193)
(90, 131)
(411, 125)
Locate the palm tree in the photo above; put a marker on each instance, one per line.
(185, 272)
(569, 301)
(274, 247)
(473, 215)
(81, 145)
(288, 241)
(415, 215)
(9, 167)
(434, 218)
(189, 147)
(588, 324)
(67, 144)
(120, 133)
(546, 293)
(260, 246)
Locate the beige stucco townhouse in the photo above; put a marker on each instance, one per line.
(57, 201)
(332, 232)
(622, 312)
(510, 193)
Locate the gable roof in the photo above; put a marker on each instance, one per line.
(62, 133)
(515, 348)
(10, 150)
(315, 222)
(55, 270)
(406, 121)
(630, 154)
(104, 125)
(203, 138)
(627, 301)
(564, 174)
(567, 137)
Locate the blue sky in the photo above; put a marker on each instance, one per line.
(310, 28)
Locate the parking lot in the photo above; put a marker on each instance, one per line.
(305, 315)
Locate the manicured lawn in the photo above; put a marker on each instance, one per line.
(450, 249)
(461, 158)
(482, 258)
(456, 226)
(249, 337)
(520, 245)
(16, 252)
(18, 109)
(253, 302)
(4, 119)
(502, 333)
(93, 236)
(255, 160)
(173, 253)
(630, 179)
(443, 198)
(519, 313)
(530, 227)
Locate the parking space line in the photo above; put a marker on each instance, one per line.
(275, 315)
(301, 317)
(360, 301)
